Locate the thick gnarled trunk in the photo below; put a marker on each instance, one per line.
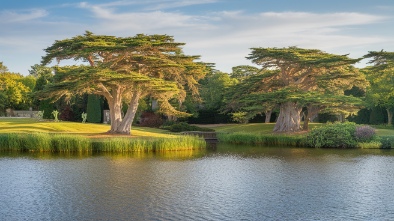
(119, 125)
(289, 118)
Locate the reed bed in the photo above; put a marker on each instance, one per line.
(149, 145)
(44, 142)
(262, 139)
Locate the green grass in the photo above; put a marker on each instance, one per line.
(24, 134)
(28, 125)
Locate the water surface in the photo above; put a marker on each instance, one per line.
(229, 183)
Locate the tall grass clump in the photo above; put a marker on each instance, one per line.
(149, 145)
(70, 143)
(261, 139)
(40, 142)
(179, 143)
(122, 144)
(12, 142)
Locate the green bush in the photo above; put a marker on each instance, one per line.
(336, 135)
(387, 142)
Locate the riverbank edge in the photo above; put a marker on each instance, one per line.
(295, 140)
(51, 142)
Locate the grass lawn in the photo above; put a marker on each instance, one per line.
(28, 125)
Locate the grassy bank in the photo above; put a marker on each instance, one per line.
(44, 142)
(261, 134)
(25, 134)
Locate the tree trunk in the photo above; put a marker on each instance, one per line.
(389, 117)
(119, 125)
(125, 126)
(268, 114)
(310, 112)
(289, 118)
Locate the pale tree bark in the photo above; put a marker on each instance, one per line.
(289, 118)
(389, 116)
(268, 114)
(125, 126)
(311, 111)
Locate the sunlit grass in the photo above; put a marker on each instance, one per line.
(29, 125)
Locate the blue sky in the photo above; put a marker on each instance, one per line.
(221, 31)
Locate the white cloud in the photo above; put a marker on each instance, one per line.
(12, 16)
(225, 37)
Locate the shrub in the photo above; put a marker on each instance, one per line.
(150, 119)
(336, 135)
(240, 117)
(364, 133)
(387, 142)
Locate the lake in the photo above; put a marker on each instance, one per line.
(228, 183)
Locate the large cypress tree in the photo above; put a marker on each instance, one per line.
(296, 78)
(124, 69)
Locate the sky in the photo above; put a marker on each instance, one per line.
(220, 31)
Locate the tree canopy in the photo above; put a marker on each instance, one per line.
(381, 78)
(294, 78)
(124, 69)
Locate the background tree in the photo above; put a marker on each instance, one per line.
(295, 72)
(124, 69)
(241, 72)
(15, 90)
(93, 109)
(212, 89)
(3, 68)
(381, 77)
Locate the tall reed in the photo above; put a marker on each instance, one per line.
(262, 139)
(42, 142)
(148, 145)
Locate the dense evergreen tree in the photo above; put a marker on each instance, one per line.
(124, 68)
(381, 77)
(294, 78)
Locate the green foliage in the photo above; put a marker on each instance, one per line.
(336, 135)
(387, 142)
(125, 69)
(44, 142)
(46, 106)
(262, 139)
(307, 78)
(381, 76)
(121, 145)
(15, 91)
(240, 117)
(370, 145)
(94, 109)
(213, 88)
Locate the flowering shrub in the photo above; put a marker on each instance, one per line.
(364, 133)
